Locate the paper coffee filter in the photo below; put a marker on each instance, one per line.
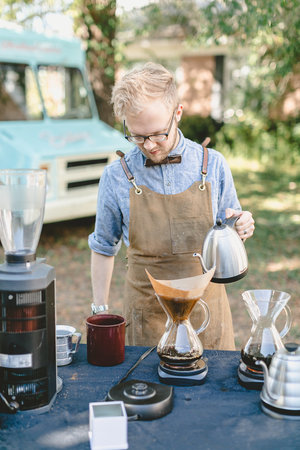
(191, 287)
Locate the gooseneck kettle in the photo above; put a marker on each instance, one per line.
(280, 396)
(224, 249)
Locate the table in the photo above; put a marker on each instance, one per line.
(219, 414)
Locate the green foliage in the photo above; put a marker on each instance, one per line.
(198, 128)
(266, 32)
(267, 140)
(269, 31)
(24, 12)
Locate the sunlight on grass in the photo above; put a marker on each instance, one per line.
(282, 202)
(286, 264)
(239, 164)
(273, 204)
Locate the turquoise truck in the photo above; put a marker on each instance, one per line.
(49, 120)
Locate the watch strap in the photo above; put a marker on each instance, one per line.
(96, 309)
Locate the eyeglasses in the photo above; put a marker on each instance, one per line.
(160, 137)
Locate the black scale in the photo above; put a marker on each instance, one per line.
(249, 378)
(183, 375)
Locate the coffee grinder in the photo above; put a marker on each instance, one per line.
(28, 374)
(264, 307)
(180, 349)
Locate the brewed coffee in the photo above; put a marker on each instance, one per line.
(264, 306)
(253, 355)
(178, 308)
(170, 355)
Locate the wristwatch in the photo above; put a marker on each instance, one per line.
(96, 309)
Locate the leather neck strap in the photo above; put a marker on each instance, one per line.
(130, 177)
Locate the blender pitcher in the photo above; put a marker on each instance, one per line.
(264, 306)
(22, 201)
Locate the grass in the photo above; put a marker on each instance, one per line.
(273, 197)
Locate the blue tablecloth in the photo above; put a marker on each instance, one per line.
(219, 414)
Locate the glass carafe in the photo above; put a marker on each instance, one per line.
(22, 202)
(180, 344)
(264, 307)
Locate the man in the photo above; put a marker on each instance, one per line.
(162, 208)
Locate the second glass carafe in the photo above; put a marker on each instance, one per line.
(264, 307)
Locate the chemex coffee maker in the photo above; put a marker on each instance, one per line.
(264, 307)
(180, 349)
(28, 374)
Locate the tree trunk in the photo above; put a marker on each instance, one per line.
(96, 26)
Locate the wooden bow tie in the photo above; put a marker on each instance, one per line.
(175, 159)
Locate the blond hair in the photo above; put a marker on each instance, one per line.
(140, 85)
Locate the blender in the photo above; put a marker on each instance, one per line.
(180, 349)
(264, 307)
(28, 373)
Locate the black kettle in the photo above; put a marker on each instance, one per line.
(224, 249)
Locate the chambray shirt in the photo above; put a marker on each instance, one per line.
(113, 212)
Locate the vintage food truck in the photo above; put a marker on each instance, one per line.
(49, 119)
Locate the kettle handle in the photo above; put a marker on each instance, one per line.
(231, 220)
(205, 323)
(288, 321)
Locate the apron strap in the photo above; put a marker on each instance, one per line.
(139, 191)
(202, 186)
(128, 174)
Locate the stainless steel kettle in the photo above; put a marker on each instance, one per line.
(280, 395)
(224, 249)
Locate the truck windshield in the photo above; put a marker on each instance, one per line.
(19, 96)
(64, 92)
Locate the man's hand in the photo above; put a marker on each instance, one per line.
(245, 223)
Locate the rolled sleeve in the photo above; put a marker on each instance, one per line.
(227, 193)
(106, 250)
(106, 238)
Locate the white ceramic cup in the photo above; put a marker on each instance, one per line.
(64, 344)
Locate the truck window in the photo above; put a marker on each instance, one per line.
(64, 93)
(19, 96)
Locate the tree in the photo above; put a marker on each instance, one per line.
(267, 31)
(95, 23)
(270, 31)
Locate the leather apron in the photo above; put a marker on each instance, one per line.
(164, 232)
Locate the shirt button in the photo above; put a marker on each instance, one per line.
(168, 183)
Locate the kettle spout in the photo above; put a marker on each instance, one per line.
(205, 269)
(266, 380)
